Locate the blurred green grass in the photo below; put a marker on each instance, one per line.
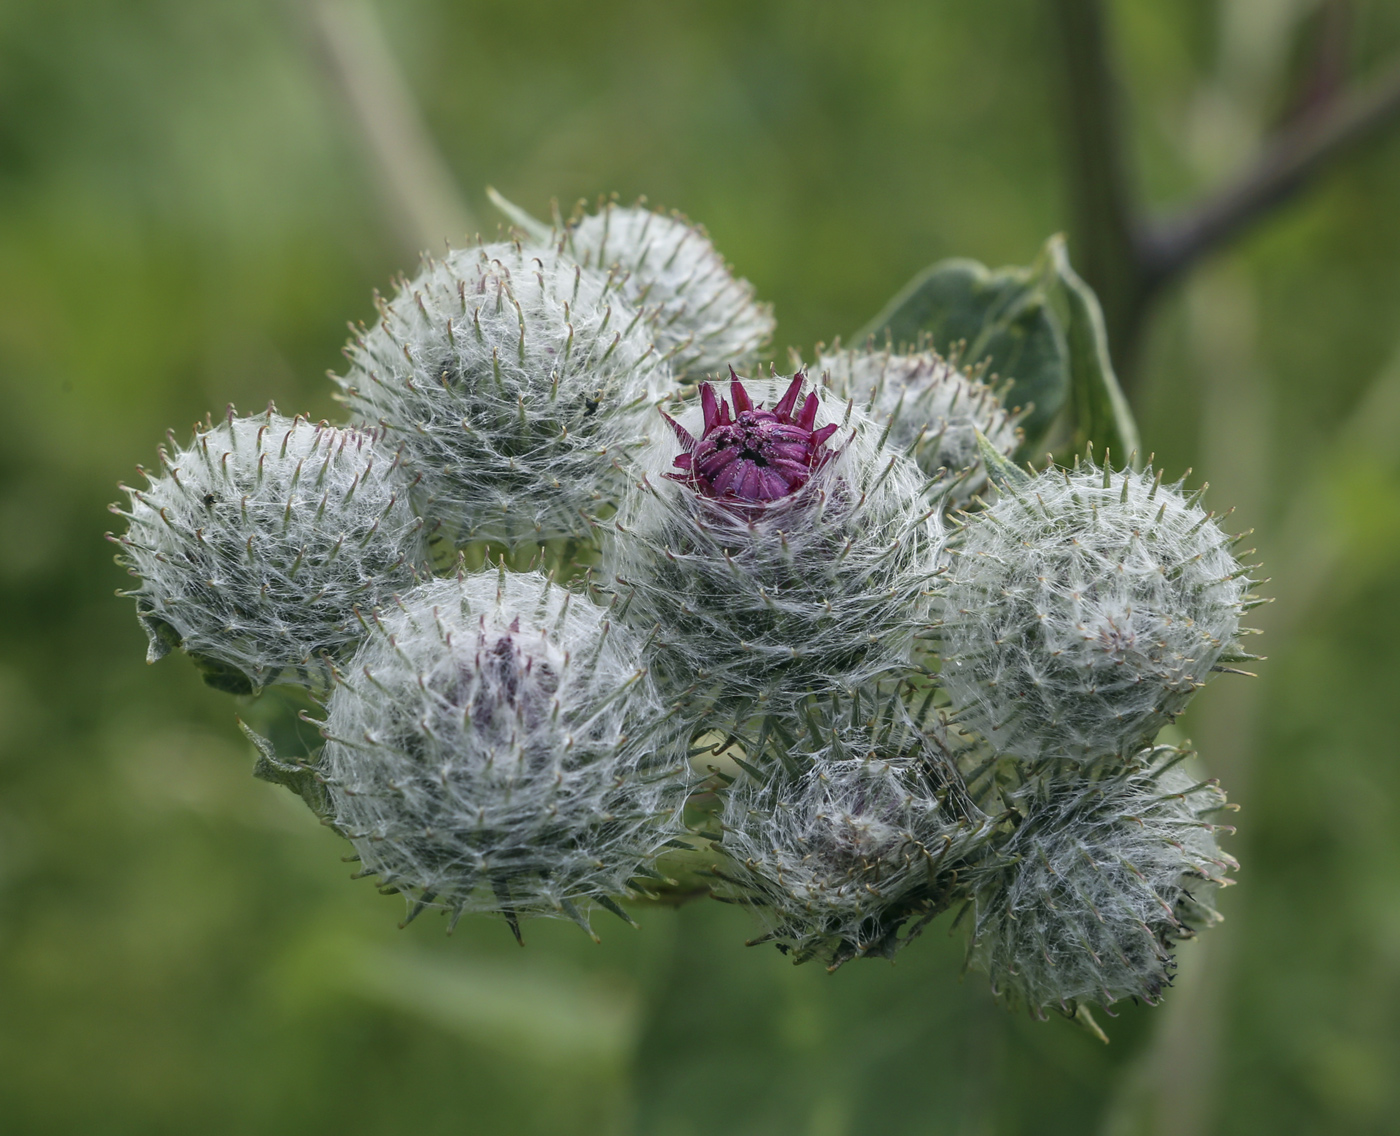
(186, 220)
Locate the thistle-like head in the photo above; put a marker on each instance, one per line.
(1103, 875)
(261, 539)
(749, 455)
(1084, 610)
(930, 410)
(700, 314)
(495, 745)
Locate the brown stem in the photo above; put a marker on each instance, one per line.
(1104, 222)
(1287, 163)
(1128, 257)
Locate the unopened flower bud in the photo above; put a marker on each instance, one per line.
(1083, 611)
(932, 411)
(853, 832)
(1097, 883)
(702, 317)
(260, 540)
(776, 555)
(496, 746)
(514, 379)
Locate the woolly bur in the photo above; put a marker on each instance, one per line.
(776, 553)
(1105, 871)
(846, 834)
(702, 317)
(1084, 609)
(514, 379)
(496, 746)
(259, 542)
(930, 409)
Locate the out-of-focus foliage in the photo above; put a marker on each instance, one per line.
(186, 220)
(1041, 328)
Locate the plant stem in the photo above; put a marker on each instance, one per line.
(421, 195)
(1126, 255)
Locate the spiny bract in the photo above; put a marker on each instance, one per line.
(702, 317)
(514, 379)
(932, 410)
(850, 833)
(495, 745)
(261, 540)
(759, 603)
(1098, 882)
(1082, 611)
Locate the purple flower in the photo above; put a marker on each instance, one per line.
(749, 454)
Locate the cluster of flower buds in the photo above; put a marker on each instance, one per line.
(587, 611)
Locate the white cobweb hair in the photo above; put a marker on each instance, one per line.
(262, 539)
(515, 379)
(496, 745)
(755, 609)
(846, 835)
(932, 410)
(702, 316)
(1100, 880)
(1084, 609)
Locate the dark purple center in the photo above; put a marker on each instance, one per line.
(749, 454)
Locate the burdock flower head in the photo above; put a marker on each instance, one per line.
(773, 557)
(903, 720)
(748, 454)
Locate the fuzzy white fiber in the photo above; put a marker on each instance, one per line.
(850, 833)
(1101, 878)
(496, 745)
(757, 607)
(1082, 611)
(259, 541)
(515, 379)
(702, 316)
(932, 410)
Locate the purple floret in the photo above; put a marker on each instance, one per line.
(748, 454)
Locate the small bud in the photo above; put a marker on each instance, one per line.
(1097, 883)
(703, 318)
(514, 379)
(848, 836)
(1083, 610)
(932, 411)
(261, 540)
(494, 746)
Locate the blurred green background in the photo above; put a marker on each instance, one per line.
(189, 215)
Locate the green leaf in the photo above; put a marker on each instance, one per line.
(298, 777)
(998, 317)
(1101, 413)
(535, 229)
(1038, 328)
